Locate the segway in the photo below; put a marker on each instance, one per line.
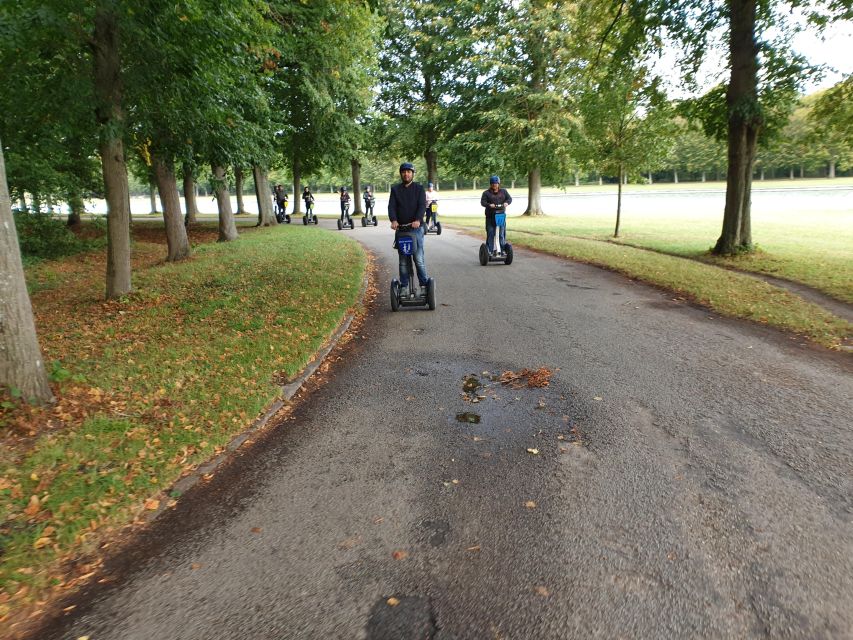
(410, 296)
(281, 214)
(434, 225)
(369, 219)
(346, 221)
(309, 217)
(500, 254)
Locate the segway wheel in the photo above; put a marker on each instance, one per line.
(508, 253)
(375, 221)
(287, 219)
(431, 294)
(340, 224)
(484, 255)
(395, 295)
(305, 220)
(364, 222)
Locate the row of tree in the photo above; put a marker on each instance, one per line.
(538, 89)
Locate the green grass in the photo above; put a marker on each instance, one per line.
(159, 381)
(727, 292)
(812, 248)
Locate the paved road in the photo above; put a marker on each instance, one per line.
(694, 479)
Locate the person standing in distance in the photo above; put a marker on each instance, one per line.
(494, 198)
(431, 196)
(406, 206)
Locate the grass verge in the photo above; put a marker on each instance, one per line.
(727, 292)
(812, 249)
(153, 384)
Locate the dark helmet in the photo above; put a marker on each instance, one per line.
(343, 189)
(494, 180)
(429, 185)
(407, 165)
(368, 188)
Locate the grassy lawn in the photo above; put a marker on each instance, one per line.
(151, 385)
(725, 291)
(813, 248)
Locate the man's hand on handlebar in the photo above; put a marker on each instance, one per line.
(416, 224)
(394, 224)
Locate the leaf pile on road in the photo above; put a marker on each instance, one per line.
(151, 385)
(531, 378)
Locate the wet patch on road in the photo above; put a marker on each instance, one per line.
(401, 618)
(468, 417)
(435, 531)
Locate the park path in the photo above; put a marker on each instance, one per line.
(682, 475)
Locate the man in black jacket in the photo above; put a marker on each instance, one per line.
(406, 205)
(495, 200)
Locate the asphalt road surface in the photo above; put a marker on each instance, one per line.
(682, 476)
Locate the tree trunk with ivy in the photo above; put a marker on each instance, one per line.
(108, 110)
(21, 363)
(743, 127)
(227, 226)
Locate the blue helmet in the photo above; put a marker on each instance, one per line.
(429, 185)
(407, 165)
(494, 180)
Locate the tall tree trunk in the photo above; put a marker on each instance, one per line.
(36, 202)
(704, 177)
(474, 182)
(431, 158)
(791, 173)
(238, 187)
(746, 215)
(107, 72)
(190, 205)
(455, 185)
(297, 188)
(619, 202)
(176, 232)
(577, 179)
(21, 361)
(512, 184)
(22, 203)
(227, 226)
(152, 196)
(675, 176)
(762, 174)
(355, 165)
(743, 125)
(600, 181)
(75, 209)
(534, 193)
(266, 217)
(802, 172)
(831, 169)
(650, 178)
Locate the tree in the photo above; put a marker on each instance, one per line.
(427, 48)
(517, 114)
(831, 120)
(21, 362)
(626, 123)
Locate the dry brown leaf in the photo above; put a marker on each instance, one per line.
(41, 542)
(476, 547)
(256, 529)
(542, 591)
(33, 507)
(530, 504)
(152, 504)
(195, 565)
(400, 555)
(392, 602)
(535, 452)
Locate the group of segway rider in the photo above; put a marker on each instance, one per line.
(413, 212)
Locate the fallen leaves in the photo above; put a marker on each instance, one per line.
(535, 452)
(392, 601)
(532, 378)
(152, 504)
(542, 591)
(400, 555)
(530, 504)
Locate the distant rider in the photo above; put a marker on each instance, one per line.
(431, 196)
(495, 198)
(308, 198)
(369, 200)
(406, 205)
(344, 200)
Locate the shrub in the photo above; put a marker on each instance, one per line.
(46, 236)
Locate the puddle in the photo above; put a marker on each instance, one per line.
(469, 417)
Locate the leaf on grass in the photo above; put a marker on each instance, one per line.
(152, 504)
(41, 542)
(33, 507)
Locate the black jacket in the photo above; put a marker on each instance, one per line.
(407, 204)
(501, 197)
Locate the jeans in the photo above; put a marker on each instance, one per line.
(420, 261)
(490, 234)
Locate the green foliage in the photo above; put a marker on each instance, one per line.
(46, 236)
